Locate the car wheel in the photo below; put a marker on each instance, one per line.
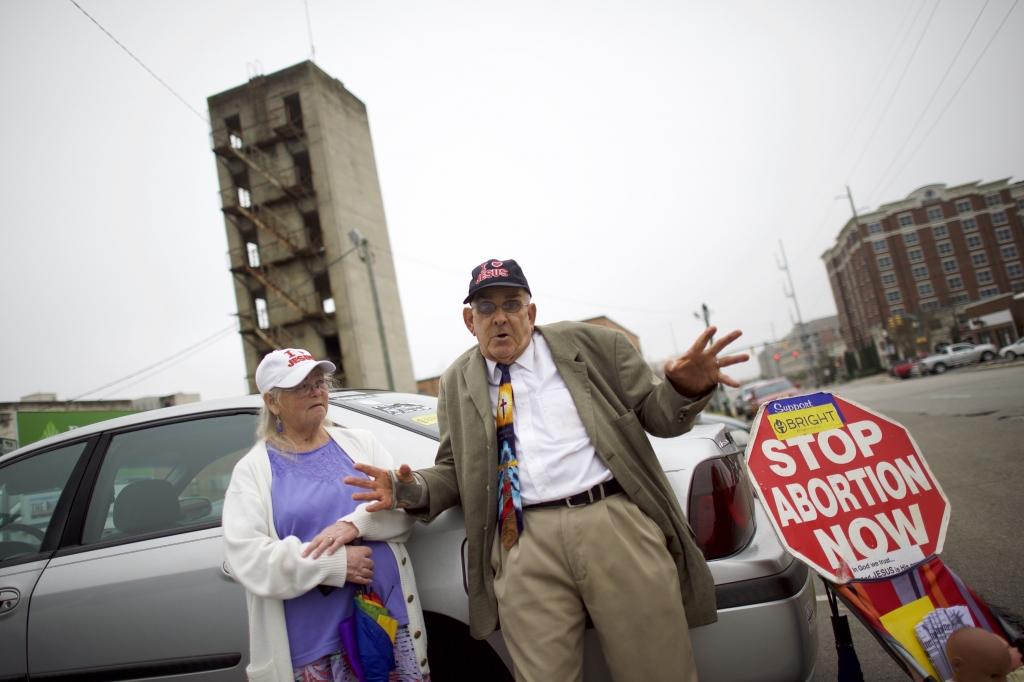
(939, 368)
(1010, 355)
(987, 355)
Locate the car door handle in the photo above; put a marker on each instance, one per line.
(225, 573)
(9, 598)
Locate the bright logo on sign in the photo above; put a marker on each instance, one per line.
(791, 417)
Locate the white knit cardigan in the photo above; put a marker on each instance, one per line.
(272, 569)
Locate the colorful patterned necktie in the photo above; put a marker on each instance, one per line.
(510, 505)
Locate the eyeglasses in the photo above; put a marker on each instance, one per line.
(510, 306)
(308, 388)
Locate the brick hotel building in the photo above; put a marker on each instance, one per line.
(926, 257)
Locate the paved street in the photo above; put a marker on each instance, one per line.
(969, 423)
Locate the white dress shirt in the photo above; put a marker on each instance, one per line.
(556, 457)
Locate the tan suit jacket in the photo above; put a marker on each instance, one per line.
(617, 397)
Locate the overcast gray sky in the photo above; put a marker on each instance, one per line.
(636, 158)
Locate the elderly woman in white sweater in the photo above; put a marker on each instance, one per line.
(289, 519)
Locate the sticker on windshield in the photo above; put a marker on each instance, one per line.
(426, 419)
(807, 414)
(396, 409)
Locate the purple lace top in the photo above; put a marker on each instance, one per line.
(308, 495)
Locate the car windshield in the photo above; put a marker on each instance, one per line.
(413, 412)
(774, 387)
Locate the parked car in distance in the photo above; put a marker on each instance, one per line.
(1013, 351)
(112, 563)
(906, 368)
(955, 355)
(766, 391)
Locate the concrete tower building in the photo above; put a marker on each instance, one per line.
(308, 243)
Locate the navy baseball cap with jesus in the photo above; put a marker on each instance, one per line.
(496, 273)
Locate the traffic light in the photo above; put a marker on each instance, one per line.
(796, 354)
(776, 356)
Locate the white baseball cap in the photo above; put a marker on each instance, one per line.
(286, 368)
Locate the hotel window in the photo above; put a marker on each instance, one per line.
(1014, 270)
(994, 200)
(984, 276)
(874, 228)
(893, 296)
(884, 263)
(974, 241)
(1020, 204)
(910, 238)
(945, 248)
(949, 265)
(999, 217)
(888, 279)
(956, 299)
(880, 246)
(955, 283)
(1004, 235)
(1009, 252)
(1018, 287)
(963, 206)
(989, 292)
(915, 255)
(930, 305)
(906, 220)
(935, 213)
(940, 231)
(920, 272)
(897, 311)
(969, 224)
(925, 289)
(979, 259)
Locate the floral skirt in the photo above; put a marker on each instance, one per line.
(334, 667)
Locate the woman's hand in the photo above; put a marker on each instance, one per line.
(360, 565)
(331, 538)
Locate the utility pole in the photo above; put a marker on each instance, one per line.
(784, 265)
(363, 244)
(705, 314)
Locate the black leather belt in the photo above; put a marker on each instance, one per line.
(595, 494)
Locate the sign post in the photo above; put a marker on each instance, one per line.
(847, 489)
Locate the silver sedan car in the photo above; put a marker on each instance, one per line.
(112, 567)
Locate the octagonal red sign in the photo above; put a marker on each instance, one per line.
(846, 488)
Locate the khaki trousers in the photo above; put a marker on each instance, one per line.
(607, 559)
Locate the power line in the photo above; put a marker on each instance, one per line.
(951, 100)
(166, 367)
(895, 90)
(223, 331)
(148, 70)
(931, 99)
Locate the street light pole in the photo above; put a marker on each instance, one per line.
(363, 244)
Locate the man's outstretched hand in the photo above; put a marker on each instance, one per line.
(700, 369)
(379, 486)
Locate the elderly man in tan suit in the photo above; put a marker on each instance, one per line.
(573, 515)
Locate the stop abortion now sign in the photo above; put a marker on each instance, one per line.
(846, 488)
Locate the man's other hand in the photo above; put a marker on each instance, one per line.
(381, 492)
(699, 369)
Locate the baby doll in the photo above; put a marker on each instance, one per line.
(977, 655)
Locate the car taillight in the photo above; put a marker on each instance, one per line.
(721, 507)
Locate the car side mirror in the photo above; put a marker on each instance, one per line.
(798, 384)
(195, 508)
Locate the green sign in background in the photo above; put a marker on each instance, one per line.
(33, 426)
